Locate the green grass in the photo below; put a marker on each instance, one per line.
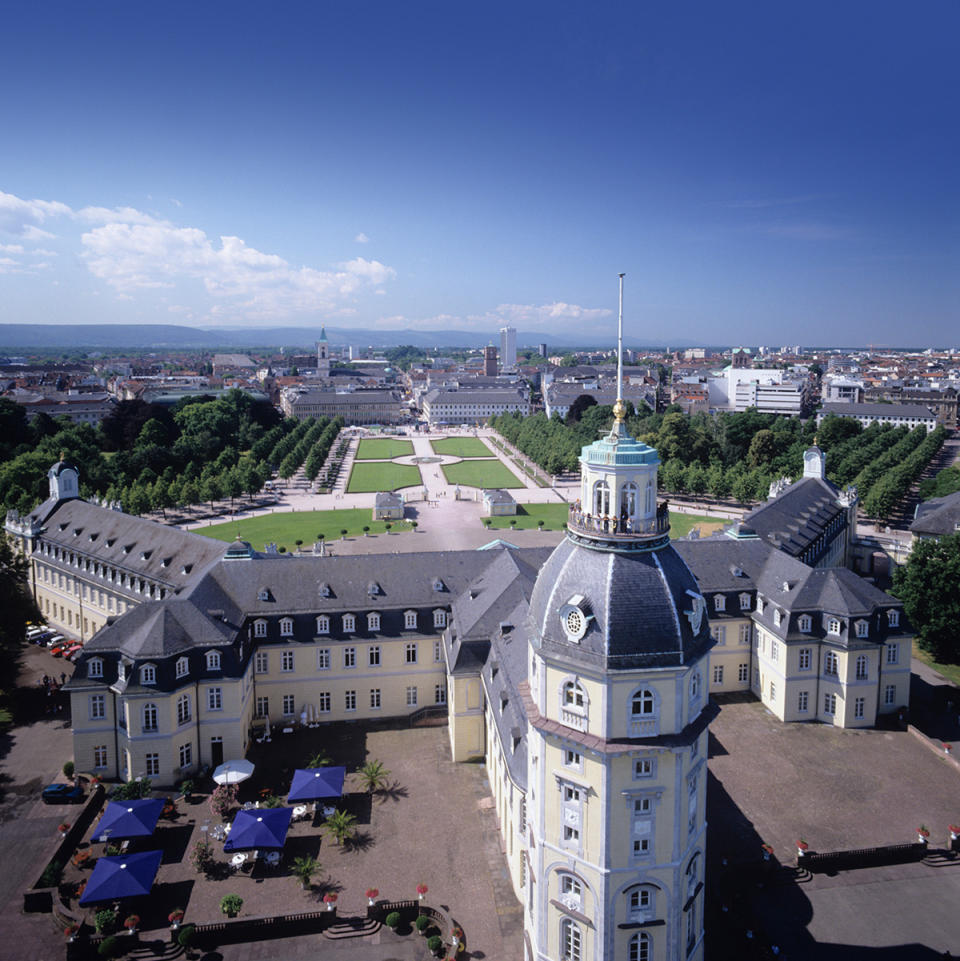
(383, 448)
(950, 671)
(286, 529)
(382, 476)
(480, 473)
(554, 517)
(461, 447)
(681, 524)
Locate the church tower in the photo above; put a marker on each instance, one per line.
(323, 355)
(64, 481)
(618, 717)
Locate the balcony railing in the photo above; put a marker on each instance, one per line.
(647, 727)
(572, 719)
(614, 527)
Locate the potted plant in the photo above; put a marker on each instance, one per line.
(923, 834)
(388, 527)
(366, 530)
(767, 852)
(108, 947)
(105, 921)
(230, 905)
(330, 900)
(413, 526)
(63, 828)
(186, 788)
(392, 920)
(421, 891)
(435, 943)
(68, 769)
(175, 917)
(187, 935)
(954, 830)
(305, 868)
(802, 848)
(372, 895)
(422, 923)
(132, 922)
(72, 931)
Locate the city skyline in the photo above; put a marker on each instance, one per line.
(762, 177)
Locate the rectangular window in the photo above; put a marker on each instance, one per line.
(263, 706)
(893, 653)
(743, 673)
(289, 705)
(410, 653)
(374, 656)
(774, 650)
(806, 658)
(717, 673)
(349, 657)
(439, 693)
(375, 698)
(829, 704)
(350, 700)
(214, 699)
(98, 707)
(573, 759)
(186, 755)
(439, 618)
(570, 835)
(745, 634)
(323, 659)
(719, 632)
(262, 663)
(643, 767)
(858, 707)
(100, 756)
(286, 661)
(349, 622)
(323, 702)
(259, 628)
(437, 652)
(803, 701)
(890, 694)
(410, 620)
(153, 764)
(411, 697)
(641, 847)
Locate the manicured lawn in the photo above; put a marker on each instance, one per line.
(554, 517)
(681, 524)
(382, 476)
(461, 447)
(287, 528)
(383, 448)
(950, 671)
(480, 473)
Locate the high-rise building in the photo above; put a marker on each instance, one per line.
(508, 348)
(543, 350)
(490, 361)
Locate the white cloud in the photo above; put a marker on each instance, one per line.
(23, 217)
(362, 238)
(554, 318)
(12, 248)
(115, 215)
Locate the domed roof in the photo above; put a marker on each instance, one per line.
(60, 466)
(618, 611)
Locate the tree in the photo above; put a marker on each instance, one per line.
(763, 448)
(929, 586)
(373, 776)
(577, 408)
(305, 868)
(16, 602)
(340, 825)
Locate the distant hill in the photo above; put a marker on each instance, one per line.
(173, 337)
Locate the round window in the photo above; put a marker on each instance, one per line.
(574, 623)
(574, 620)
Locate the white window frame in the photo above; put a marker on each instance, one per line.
(410, 652)
(324, 702)
(833, 626)
(149, 712)
(719, 602)
(373, 621)
(862, 668)
(98, 707)
(213, 661)
(287, 662)
(893, 618)
(214, 698)
(183, 667)
(374, 656)
(412, 696)
(349, 657)
(350, 701)
(717, 673)
(289, 705)
(409, 620)
(151, 761)
(260, 628)
(805, 623)
(100, 757)
(803, 702)
(440, 693)
(375, 699)
(831, 664)
(440, 618)
(286, 627)
(323, 658)
(323, 624)
(95, 667)
(261, 663)
(805, 659)
(184, 712)
(893, 653)
(862, 629)
(349, 623)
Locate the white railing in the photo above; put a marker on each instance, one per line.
(572, 719)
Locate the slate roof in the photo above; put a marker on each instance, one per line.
(938, 517)
(637, 602)
(878, 410)
(797, 517)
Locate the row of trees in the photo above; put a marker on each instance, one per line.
(890, 487)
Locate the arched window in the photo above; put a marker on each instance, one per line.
(893, 618)
(323, 624)
(373, 622)
(571, 940)
(641, 948)
(696, 686)
(260, 628)
(95, 667)
(628, 500)
(805, 623)
(693, 874)
(213, 660)
(183, 709)
(863, 628)
(641, 903)
(644, 712)
(862, 667)
(571, 892)
(573, 695)
(286, 626)
(601, 498)
(650, 495)
(150, 717)
(183, 667)
(349, 622)
(148, 674)
(833, 625)
(643, 704)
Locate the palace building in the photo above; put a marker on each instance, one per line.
(580, 675)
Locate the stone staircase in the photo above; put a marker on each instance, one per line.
(351, 928)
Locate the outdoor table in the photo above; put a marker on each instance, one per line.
(237, 860)
(272, 858)
(218, 832)
(300, 811)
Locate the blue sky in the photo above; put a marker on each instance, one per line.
(763, 172)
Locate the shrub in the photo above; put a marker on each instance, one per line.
(109, 947)
(186, 787)
(305, 868)
(422, 923)
(201, 857)
(68, 770)
(434, 943)
(223, 799)
(105, 921)
(231, 904)
(392, 920)
(272, 801)
(187, 935)
(52, 874)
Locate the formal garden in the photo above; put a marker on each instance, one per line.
(383, 448)
(461, 447)
(485, 474)
(367, 477)
(274, 853)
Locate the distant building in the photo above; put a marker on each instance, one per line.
(740, 358)
(355, 407)
(323, 355)
(86, 408)
(388, 506)
(942, 402)
(490, 361)
(472, 406)
(223, 363)
(543, 350)
(508, 348)
(842, 390)
(498, 503)
(560, 395)
(769, 389)
(937, 518)
(897, 415)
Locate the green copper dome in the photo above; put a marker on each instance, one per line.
(618, 448)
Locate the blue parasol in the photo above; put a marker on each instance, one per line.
(314, 784)
(128, 876)
(259, 828)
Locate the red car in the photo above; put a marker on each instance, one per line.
(71, 649)
(61, 648)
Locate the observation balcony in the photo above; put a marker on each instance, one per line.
(620, 531)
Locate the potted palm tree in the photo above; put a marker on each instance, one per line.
(373, 775)
(340, 825)
(230, 905)
(305, 868)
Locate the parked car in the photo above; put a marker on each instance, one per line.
(55, 640)
(62, 794)
(71, 649)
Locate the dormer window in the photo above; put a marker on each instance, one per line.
(805, 623)
(148, 674)
(373, 589)
(95, 667)
(349, 622)
(438, 585)
(323, 624)
(373, 621)
(719, 602)
(777, 617)
(263, 594)
(286, 627)
(260, 628)
(833, 626)
(410, 620)
(183, 667)
(324, 589)
(121, 671)
(863, 628)
(893, 618)
(744, 602)
(213, 660)
(440, 618)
